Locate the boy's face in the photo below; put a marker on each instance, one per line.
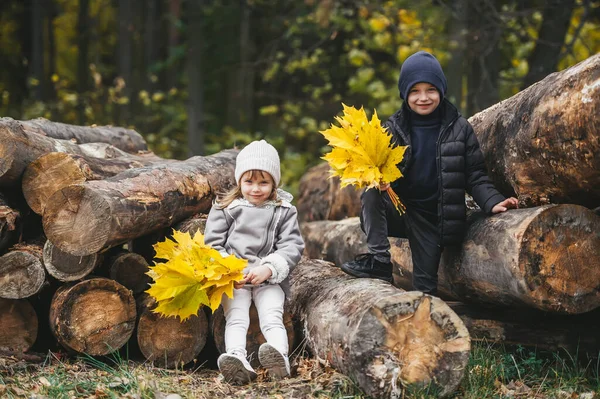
(423, 98)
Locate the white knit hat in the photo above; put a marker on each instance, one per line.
(258, 155)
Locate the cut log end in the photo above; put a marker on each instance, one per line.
(48, 174)
(77, 222)
(21, 275)
(67, 267)
(561, 256)
(18, 325)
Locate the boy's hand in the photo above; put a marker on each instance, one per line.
(258, 274)
(505, 205)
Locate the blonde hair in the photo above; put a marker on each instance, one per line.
(224, 199)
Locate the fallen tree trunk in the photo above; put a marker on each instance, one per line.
(66, 267)
(129, 269)
(22, 272)
(546, 258)
(543, 144)
(384, 338)
(56, 170)
(124, 139)
(18, 325)
(254, 337)
(85, 218)
(95, 316)
(168, 341)
(19, 147)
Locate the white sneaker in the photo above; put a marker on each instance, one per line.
(235, 368)
(276, 363)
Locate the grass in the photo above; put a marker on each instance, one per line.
(494, 371)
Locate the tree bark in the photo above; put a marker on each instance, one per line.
(56, 170)
(19, 146)
(194, 224)
(18, 325)
(542, 144)
(96, 316)
(168, 341)
(254, 337)
(9, 218)
(546, 258)
(67, 267)
(129, 269)
(321, 198)
(83, 219)
(124, 139)
(22, 272)
(384, 338)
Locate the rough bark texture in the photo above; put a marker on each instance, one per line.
(67, 267)
(382, 337)
(82, 219)
(254, 338)
(56, 170)
(22, 272)
(543, 143)
(168, 341)
(124, 139)
(320, 197)
(96, 316)
(196, 223)
(129, 269)
(546, 257)
(9, 217)
(18, 325)
(20, 146)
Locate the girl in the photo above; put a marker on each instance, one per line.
(256, 221)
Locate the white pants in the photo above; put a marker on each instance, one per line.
(268, 299)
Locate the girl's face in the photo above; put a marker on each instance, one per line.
(256, 186)
(423, 98)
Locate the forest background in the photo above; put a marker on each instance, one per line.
(196, 76)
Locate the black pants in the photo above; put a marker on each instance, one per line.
(380, 220)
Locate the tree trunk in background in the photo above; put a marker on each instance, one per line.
(85, 218)
(151, 41)
(83, 41)
(18, 325)
(173, 42)
(544, 59)
(543, 144)
(95, 316)
(455, 70)
(382, 337)
(37, 70)
(195, 84)
(125, 57)
(51, 42)
(485, 30)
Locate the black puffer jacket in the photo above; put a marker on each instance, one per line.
(460, 165)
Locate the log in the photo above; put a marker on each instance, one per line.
(95, 316)
(124, 139)
(546, 258)
(543, 143)
(20, 146)
(56, 170)
(384, 338)
(254, 338)
(167, 341)
(85, 218)
(66, 267)
(18, 325)
(193, 224)
(22, 271)
(9, 218)
(129, 269)
(320, 198)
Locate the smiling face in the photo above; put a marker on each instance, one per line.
(256, 186)
(423, 98)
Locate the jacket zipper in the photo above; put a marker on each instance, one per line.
(266, 240)
(438, 150)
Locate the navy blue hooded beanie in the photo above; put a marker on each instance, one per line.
(421, 67)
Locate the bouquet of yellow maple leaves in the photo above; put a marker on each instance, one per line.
(362, 153)
(192, 274)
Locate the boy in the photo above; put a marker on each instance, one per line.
(442, 161)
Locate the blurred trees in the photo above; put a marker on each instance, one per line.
(195, 76)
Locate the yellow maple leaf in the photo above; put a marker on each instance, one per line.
(362, 152)
(192, 274)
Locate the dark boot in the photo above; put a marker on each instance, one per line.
(365, 265)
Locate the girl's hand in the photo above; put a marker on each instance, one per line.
(239, 284)
(258, 274)
(505, 205)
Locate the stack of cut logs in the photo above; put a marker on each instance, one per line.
(81, 207)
